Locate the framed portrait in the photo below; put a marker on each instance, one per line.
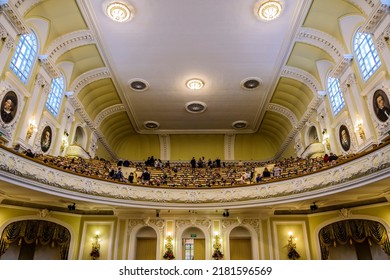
(345, 138)
(9, 106)
(381, 105)
(46, 139)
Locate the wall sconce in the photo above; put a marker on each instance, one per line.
(95, 252)
(360, 130)
(217, 255)
(168, 255)
(291, 247)
(32, 127)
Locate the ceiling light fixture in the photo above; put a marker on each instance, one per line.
(270, 10)
(119, 11)
(195, 84)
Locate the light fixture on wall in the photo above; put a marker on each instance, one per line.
(360, 130)
(217, 244)
(168, 255)
(32, 127)
(226, 213)
(325, 137)
(291, 247)
(64, 143)
(269, 10)
(95, 252)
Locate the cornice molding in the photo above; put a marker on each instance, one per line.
(12, 13)
(302, 76)
(321, 40)
(341, 66)
(68, 42)
(108, 112)
(376, 16)
(22, 171)
(91, 124)
(89, 77)
(285, 112)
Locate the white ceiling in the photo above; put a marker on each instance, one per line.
(221, 42)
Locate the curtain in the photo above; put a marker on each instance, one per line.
(347, 231)
(146, 249)
(38, 232)
(240, 249)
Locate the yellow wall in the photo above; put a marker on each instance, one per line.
(184, 147)
(139, 147)
(253, 147)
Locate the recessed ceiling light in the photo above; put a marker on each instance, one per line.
(239, 124)
(119, 11)
(251, 83)
(196, 107)
(195, 84)
(269, 10)
(138, 84)
(151, 125)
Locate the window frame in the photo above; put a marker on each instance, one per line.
(335, 95)
(366, 54)
(25, 56)
(56, 95)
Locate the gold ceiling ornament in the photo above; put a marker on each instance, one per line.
(269, 10)
(195, 84)
(119, 11)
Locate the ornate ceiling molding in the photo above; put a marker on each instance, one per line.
(9, 41)
(89, 77)
(365, 6)
(69, 41)
(376, 16)
(23, 6)
(302, 76)
(285, 112)
(341, 66)
(321, 40)
(108, 112)
(49, 66)
(311, 109)
(12, 13)
(80, 109)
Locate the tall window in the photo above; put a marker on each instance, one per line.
(24, 56)
(366, 55)
(55, 96)
(335, 95)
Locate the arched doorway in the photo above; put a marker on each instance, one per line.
(312, 135)
(34, 240)
(146, 244)
(193, 244)
(240, 244)
(354, 239)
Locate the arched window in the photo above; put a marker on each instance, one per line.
(55, 96)
(366, 55)
(335, 95)
(24, 56)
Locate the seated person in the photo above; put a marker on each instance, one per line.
(266, 173)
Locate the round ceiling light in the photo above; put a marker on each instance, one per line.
(119, 11)
(138, 85)
(269, 10)
(251, 83)
(151, 125)
(239, 124)
(196, 107)
(195, 84)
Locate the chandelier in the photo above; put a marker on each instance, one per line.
(119, 11)
(270, 10)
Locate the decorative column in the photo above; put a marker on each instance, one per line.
(8, 39)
